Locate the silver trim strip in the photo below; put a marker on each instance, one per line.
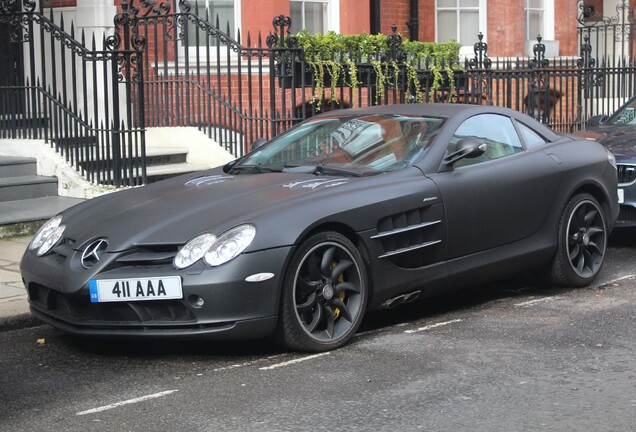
(405, 229)
(409, 249)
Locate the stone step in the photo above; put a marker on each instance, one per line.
(17, 166)
(25, 216)
(26, 187)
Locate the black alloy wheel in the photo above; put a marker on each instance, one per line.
(325, 294)
(582, 242)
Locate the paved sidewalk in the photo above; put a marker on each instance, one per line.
(14, 309)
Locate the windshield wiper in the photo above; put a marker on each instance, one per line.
(323, 169)
(257, 168)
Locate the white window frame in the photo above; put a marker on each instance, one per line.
(192, 49)
(483, 21)
(548, 20)
(332, 13)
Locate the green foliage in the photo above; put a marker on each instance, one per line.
(335, 56)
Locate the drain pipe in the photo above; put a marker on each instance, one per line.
(375, 16)
(414, 22)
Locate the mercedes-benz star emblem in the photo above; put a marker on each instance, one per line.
(93, 252)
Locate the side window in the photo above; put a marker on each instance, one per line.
(497, 131)
(530, 137)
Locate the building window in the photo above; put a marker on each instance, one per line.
(311, 15)
(225, 10)
(535, 18)
(460, 20)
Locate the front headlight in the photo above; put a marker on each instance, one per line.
(194, 250)
(230, 245)
(47, 236)
(215, 251)
(611, 158)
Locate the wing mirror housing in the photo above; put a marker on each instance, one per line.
(597, 120)
(467, 148)
(228, 166)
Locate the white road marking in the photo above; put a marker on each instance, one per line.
(616, 280)
(249, 363)
(536, 301)
(291, 362)
(126, 402)
(432, 326)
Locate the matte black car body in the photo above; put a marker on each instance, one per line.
(618, 133)
(423, 226)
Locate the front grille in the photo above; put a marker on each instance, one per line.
(627, 215)
(626, 174)
(76, 308)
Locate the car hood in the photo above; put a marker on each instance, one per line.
(175, 210)
(619, 139)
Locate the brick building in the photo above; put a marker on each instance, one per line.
(507, 25)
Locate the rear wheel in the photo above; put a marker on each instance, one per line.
(581, 244)
(324, 296)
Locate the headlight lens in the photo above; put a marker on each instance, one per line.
(215, 251)
(230, 245)
(611, 158)
(48, 235)
(194, 250)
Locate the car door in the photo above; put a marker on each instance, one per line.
(500, 197)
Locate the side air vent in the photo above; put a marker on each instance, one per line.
(412, 239)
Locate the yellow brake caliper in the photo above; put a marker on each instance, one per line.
(341, 296)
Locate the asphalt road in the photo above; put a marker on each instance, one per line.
(514, 356)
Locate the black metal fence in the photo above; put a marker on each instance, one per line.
(167, 66)
(74, 95)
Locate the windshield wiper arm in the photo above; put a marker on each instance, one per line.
(323, 169)
(258, 168)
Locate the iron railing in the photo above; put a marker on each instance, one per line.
(166, 66)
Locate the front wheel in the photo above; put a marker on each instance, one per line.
(324, 295)
(581, 243)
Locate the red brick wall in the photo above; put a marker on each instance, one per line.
(394, 12)
(257, 17)
(59, 3)
(355, 17)
(506, 28)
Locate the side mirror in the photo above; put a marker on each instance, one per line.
(228, 166)
(469, 148)
(597, 120)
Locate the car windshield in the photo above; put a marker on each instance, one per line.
(355, 145)
(626, 115)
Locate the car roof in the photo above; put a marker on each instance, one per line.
(447, 110)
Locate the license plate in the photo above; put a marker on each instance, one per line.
(621, 196)
(118, 290)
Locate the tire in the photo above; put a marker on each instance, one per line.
(324, 296)
(581, 243)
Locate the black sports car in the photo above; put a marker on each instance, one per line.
(349, 211)
(618, 134)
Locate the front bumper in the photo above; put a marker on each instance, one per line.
(232, 307)
(627, 191)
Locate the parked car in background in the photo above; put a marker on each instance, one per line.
(349, 211)
(618, 134)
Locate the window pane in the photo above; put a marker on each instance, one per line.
(535, 24)
(469, 27)
(223, 9)
(446, 26)
(534, 4)
(315, 17)
(447, 3)
(531, 138)
(296, 15)
(469, 3)
(496, 131)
